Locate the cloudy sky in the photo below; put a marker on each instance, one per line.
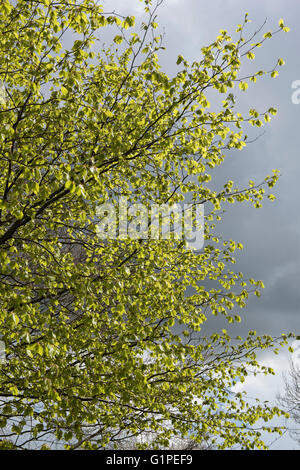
(270, 235)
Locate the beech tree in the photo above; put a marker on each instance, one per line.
(104, 338)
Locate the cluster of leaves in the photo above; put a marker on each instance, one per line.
(103, 337)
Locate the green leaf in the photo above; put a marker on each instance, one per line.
(243, 86)
(15, 318)
(118, 39)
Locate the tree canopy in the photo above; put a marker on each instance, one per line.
(104, 339)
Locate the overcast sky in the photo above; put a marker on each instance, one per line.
(270, 235)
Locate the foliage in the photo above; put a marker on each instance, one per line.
(103, 337)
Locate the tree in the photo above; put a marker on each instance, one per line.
(289, 399)
(103, 337)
